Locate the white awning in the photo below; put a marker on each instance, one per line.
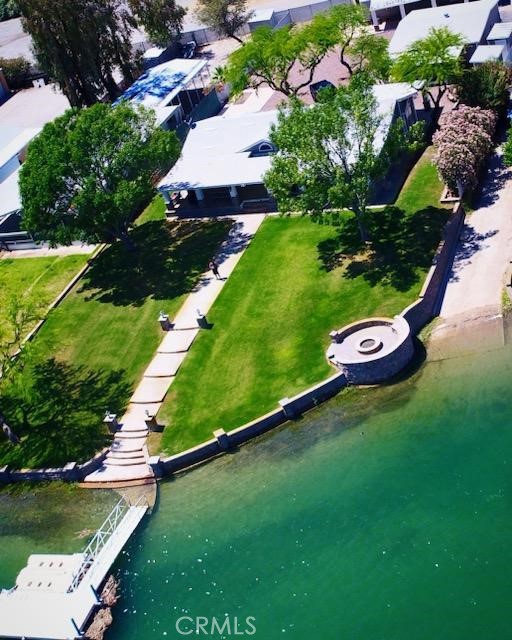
(376, 5)
(486, 53)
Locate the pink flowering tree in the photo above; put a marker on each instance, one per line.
(462, 143)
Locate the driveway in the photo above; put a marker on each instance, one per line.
(471, 314)
(485, 249)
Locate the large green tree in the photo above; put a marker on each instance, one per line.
(270, 56)
(88, 172)
(81, 44)
(329, 154)
(162, 19)
(226, 17)
(434, 59)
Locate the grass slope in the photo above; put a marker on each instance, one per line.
(292, 286)
(95, 346)
(39, 279)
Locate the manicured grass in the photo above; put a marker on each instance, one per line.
(154, 211)
(38, 280)
(95, 346)
(109, 321)
(295, 283)
(422, 188)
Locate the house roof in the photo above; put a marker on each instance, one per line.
(500, 31)
(213, 154)
(486, 52)
(10, 199)
(159, 85)
(469, 19)
(17, 144)
(216, 152)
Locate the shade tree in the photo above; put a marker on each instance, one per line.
(226, 17)
(328, 157)
(435, 60)
(162, 19)
(88, 173)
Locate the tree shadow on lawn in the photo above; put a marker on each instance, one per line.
(56, 409)
(167, 262)
(401, 243)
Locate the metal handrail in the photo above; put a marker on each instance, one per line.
(103, 535)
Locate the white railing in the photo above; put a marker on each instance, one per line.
(103, 535)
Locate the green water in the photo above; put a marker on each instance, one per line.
(384, 515)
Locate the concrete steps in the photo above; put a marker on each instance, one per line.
(127, 435)
(127, 445)
(125, 455)
(125, 462)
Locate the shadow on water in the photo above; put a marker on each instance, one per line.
(401, 244)
(166, 263)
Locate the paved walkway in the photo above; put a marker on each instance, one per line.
(471, 315)
(128, 458)
(45, 251)
(485, 249)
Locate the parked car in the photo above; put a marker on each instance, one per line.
(316, 87)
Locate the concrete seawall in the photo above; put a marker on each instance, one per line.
(418, 314)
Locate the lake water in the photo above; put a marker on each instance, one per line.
(384, 515)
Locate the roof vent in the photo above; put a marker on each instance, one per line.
(446, 15)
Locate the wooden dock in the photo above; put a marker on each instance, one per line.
(55, 595)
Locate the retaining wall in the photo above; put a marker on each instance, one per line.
(429, 302)
(417, 315)
(71, 472)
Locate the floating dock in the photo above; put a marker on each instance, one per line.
(55, 595)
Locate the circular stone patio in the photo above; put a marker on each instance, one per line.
(372, 350)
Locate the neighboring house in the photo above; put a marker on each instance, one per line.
(176, 91)
(224, 158)
(472, 20)
(498, 47)
(12, 154)
(393, 10)
(21, 118)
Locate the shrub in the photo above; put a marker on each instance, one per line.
(485, 86)
(16, 71)
(462, 143)
(8, 9)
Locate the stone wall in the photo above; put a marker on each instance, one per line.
(381, 369)
(71, 472)
(427, 306)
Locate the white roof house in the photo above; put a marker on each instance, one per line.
(235, 151)
(10, 163)
(217, 153)
(472, 20)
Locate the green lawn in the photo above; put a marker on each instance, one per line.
(39, 279)
(95, 346)
(109, 320)
(297, 281)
